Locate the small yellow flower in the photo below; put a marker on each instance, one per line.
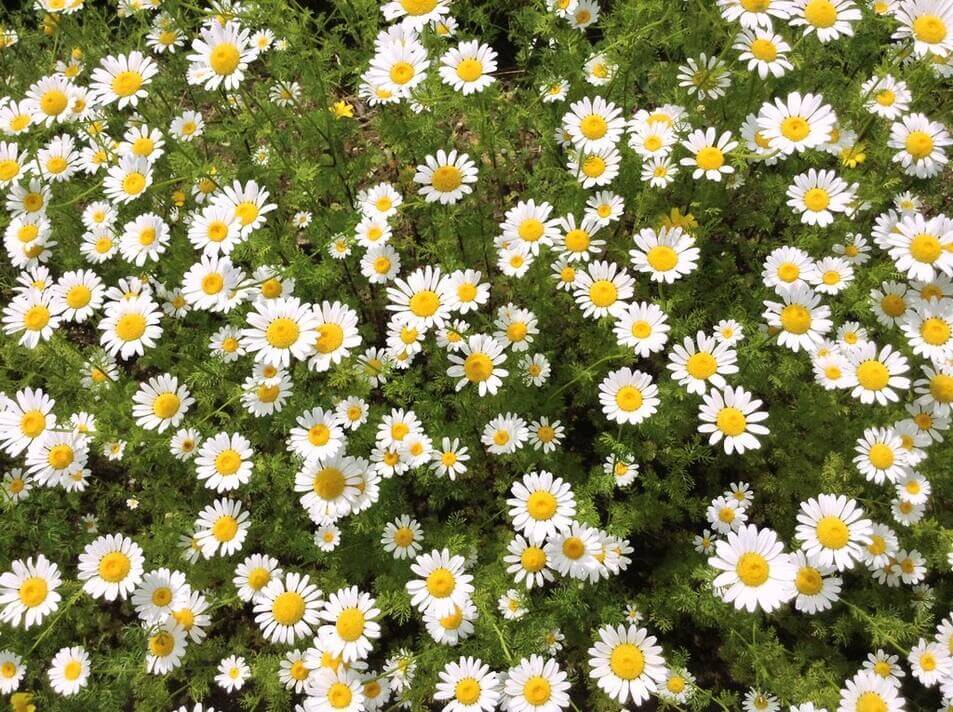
(852, 156)
(342, 110)
(50, 23)
(22, 702)
(675, 219)
(77, 53)
(178, 198)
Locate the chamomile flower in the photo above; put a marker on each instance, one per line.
(878, 373)
(867, 689)
(572, 551)
(161, 403)
(755, 571)
(708, 151)
(593, 124)
(800, 318)
(337, 335)
(666, 255)
(220, 56)
(816, 585)
(28, 591)
(441, 583)
(541, 505)
(605, 206)
(349, 614)
(887, 97)
(111, 567)
(380, 264)
(828, 19)
(726, 514)
(253, 574)
(188, 126)
(818, 195)
(764, 51)
(446, 177)
(832, 275)
(928, 23)
(248, 202)
(12, 671)
(280, 329)
(536, 684)
(123, 78)
(544, 435)
(33, 316)
(479, 362)
(595, 167)
(528, 562)
(504, 434)
(628, 396)
(158, 594)
(920, 144)
(288, 608)
(534, 369)
(698, 362)
(468, 67)
(330, 485)
(224, 462)
(626, 663)
(731, 417)
(221, 528)
(468, 685)
(128, 179)
(832, 530)
(704, 77)
(578, 242)
(797, 123)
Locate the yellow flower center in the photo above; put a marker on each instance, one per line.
(288, 608)
(537, 690)
(329, 483)
(418, 7)
(593, 127)
(446, 179)
(33, 591)
(816, 199)
(881, 456)
(161, 644)
(541, 505)
(440, 583)
(401, 72)
(935, 331)
(820, 13)
(808, 581)
(603, 293)
(282, 333)
(573, 548)
(941, 388)
(766, 51)
(701, 365)
(36, 318)
(873, 375)
(919, 144)
(731, 421)
(330, 338)
(467, 691)
(130, 326)
(795, 319)
(126, 83)
(929, 29)
(710, 158)
(627, 661)
(795, 128)
(225, 528)
(925, 248)
(871, 702)
(628, 398)
(114, 567)
(60, 457)
(134, 183)
(662, 258)
(53, 102)
(350, 624)
(752, 569)
(469, 70)
(224, 58)
(832, 533)
(593, 166)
